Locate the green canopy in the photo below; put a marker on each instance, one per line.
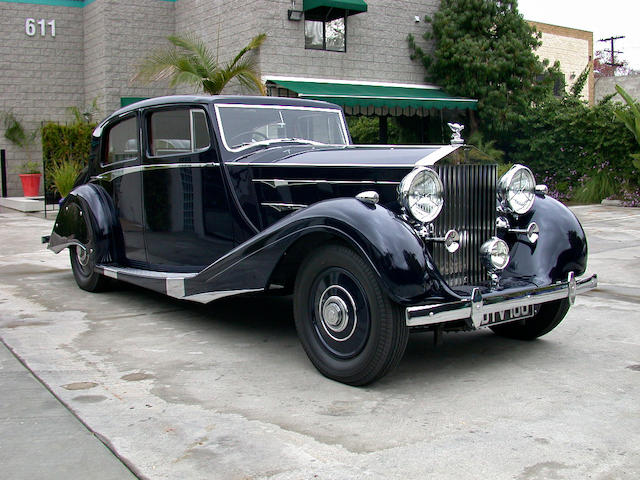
(331, 9)
(371, 95)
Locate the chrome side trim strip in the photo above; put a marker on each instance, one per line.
(319, 165)
(276, 182)
(282, 207)
(119, 172)
(474, 309)
(211, 296)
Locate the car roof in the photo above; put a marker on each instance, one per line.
(212, 99)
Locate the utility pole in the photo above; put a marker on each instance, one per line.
(613, 52)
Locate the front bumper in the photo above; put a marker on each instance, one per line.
(474, 309)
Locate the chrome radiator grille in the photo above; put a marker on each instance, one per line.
(469, 208)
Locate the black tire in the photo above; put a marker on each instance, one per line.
(83, 262)
(548, 318)
(350, 329)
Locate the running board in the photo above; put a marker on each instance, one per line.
(169, 283)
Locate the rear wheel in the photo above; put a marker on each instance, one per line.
(83, 262)
(349, 328)
(547, 318)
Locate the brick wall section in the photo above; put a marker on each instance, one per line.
(607, 86)
(41, 75)
(118, 35)
(376, 40)
(377, 47)
(572, 48)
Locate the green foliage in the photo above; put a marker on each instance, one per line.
(486, 148)
(599, 185)
(189, 61)
(63, 175)
(65, 148)
(85, 114)
(631, 119)
(484, 49)
(572, 147)
(366, 130)
(30, 167)
(19, 136)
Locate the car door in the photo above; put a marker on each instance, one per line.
(188, 224)
(120, 164)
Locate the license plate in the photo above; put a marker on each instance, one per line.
(517, 313)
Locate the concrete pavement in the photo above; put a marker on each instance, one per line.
(225, 391)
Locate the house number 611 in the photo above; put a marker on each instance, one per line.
(31, 27)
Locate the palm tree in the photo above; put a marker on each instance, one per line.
(189, 61)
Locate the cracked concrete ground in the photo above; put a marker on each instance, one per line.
(225, 391)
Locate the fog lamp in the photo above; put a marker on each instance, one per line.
(495, 254)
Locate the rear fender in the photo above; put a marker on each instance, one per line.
(391, 247)
(85, 215)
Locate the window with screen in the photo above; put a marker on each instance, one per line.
(178, 131)
(122, 141)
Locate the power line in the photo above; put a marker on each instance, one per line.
(613, 51)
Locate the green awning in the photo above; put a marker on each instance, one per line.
(326, 7)
(370, 95)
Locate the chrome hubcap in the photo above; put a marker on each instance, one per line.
(83, 256)
(337, 312)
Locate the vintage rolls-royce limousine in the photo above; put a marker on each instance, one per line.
(206, 197)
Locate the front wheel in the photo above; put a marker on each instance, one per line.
(547, 318)
(349, 328)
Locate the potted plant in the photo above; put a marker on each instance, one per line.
(63, 175)
(30, 178)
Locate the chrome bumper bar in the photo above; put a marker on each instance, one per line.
(474, 309)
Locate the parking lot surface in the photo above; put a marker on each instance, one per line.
(168, 389)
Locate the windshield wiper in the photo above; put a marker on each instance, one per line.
(266, 143)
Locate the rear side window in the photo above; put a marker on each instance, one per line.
(178, 131)
(122, 141)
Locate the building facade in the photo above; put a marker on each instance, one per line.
(58, 54)
(64, 53)
(573, 49)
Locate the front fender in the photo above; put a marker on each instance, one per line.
(85, 215)
(561, 247)
(391, 247)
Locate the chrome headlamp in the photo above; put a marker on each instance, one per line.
(517, 189)
(420, 193)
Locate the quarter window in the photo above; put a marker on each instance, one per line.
(178, 131)
(322, 34)
(122, 143)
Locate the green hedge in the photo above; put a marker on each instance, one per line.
(568, 143)
(62, 143)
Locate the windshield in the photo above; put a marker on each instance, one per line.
(243, 126)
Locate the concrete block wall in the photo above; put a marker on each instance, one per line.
(376, 40)
(607, 85)
(377, 48)
(119, 34)
(226, 26)
(572, 48)
(41, 75)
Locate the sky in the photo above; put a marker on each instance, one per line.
(605, 18)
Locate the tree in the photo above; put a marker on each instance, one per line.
(631, 119)
(189, 61)
(602, 65)
(484, 49)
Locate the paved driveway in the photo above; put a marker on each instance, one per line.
(226, 392)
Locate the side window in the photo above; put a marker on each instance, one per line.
(122, 142)
(178, 131)
(323, 34)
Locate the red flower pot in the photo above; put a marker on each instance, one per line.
(30, 184)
